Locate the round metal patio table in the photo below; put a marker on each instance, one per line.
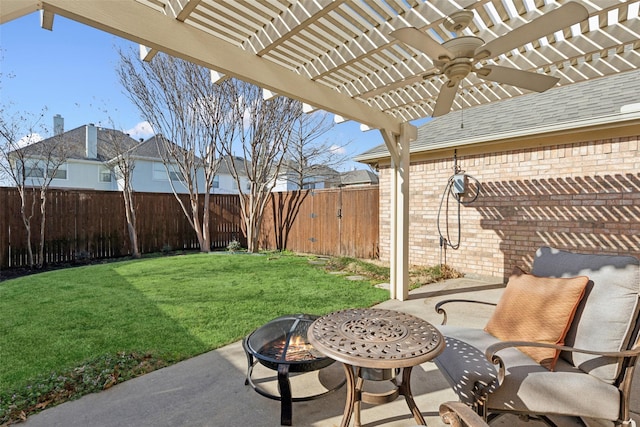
(371, 342)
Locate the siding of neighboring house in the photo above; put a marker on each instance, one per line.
(316, 177)
(79, 174)
(150, 175)
(85, 174)
(559, 169)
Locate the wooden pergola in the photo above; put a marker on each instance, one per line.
(340, 56)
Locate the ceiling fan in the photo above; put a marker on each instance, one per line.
(456, 58)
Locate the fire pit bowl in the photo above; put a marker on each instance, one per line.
(284, 341)
(282, 345)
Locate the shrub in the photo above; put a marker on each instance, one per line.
(234, 246)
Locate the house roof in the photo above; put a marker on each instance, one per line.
(359, 176)
(155, 148)
(309, 170)
(567, 107)
(225, 165)
(149, 148)
(75, 143)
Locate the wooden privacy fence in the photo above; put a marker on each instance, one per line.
(336, 222)
(84, 224)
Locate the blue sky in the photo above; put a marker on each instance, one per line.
(71, 71)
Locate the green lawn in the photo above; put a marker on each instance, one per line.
(165, 309)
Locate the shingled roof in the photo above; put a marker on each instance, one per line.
(359, 177)
(74, 142)
(559, 108)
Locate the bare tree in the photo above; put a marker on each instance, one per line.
(122, 163)
(31, 165)
(264, 132)
(311, 158)
(191, 117)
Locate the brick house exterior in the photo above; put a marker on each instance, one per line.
(560, 168)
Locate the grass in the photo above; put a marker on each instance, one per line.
(418, 276)
(69, 332)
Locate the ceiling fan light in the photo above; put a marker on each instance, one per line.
(456, 71)
(458, 21)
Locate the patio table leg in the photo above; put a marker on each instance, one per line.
(405, 390)
(351, 395)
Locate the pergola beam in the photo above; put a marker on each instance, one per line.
(169, 35)
(13, 9)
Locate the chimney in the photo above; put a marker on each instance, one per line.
(58, 125)
(92, 141)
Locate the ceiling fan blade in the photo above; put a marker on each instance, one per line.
(556, 20)
(511, 76)
(447, 94)
(423, 42)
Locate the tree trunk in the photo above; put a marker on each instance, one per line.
(206, 235)
(43, 219)
(198, 227)
(26, 220)
(131, 223)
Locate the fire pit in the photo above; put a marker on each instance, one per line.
(281, 345)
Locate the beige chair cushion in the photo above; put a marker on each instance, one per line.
(538, 309)
(606, 315)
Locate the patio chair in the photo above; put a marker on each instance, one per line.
(457, 414)
(592, 375)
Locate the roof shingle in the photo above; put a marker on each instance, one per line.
(530, 114)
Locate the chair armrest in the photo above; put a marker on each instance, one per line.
(442, 311)
(457, 414)
(490, 352)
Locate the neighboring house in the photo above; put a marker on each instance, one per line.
(319, 177)
(224, 183)
(558, 168)
(314, 177)
(150, 173)
(90, 160)
(86, 153)
(358, 178)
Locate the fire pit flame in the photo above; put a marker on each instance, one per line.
(297, 350)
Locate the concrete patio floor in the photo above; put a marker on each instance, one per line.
(209, 390)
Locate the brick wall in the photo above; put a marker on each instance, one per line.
(580, 196)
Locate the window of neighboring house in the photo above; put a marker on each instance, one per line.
(247, 186)
(61, 172)
(33, 171)
(175, 176)
(37, 170)
(216, 181)
(160, 173)
(105, 175)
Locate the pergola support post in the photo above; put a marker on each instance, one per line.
(398, 146)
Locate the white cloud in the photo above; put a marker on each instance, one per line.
(29, 139)
(336, 149)
(141, 130)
